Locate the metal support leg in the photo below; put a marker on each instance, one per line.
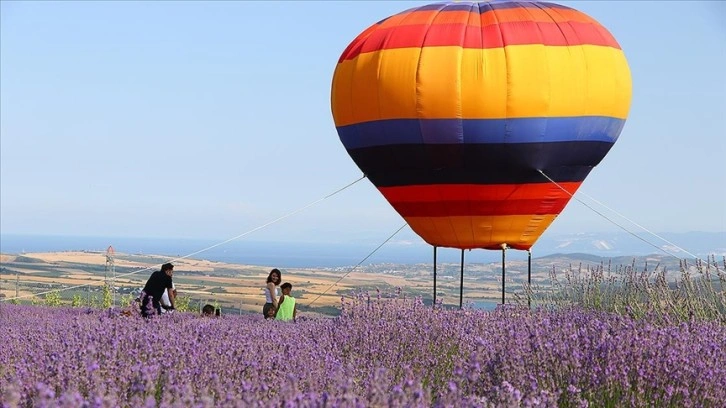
(529, 278)
(504, 250)
(461, 286)
(434, 304)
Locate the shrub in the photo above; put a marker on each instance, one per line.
(52, 298)
(697, 292)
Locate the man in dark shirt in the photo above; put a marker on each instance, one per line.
(158, 282)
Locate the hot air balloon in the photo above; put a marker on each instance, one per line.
(456, 111)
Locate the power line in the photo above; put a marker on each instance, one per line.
(358, 264)
(620, 226)
(639, 226)
(201, 250)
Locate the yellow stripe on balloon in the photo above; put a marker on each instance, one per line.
(517, 231)
(518, 81)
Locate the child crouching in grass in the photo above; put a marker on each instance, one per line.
(286, 307)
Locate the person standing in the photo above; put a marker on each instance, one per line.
(159, 282)
(272, 292)
(286, 307)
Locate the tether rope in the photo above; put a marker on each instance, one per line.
(358, 264)
(193, 253)
(623, 228)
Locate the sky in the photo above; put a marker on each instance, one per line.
(211, 120)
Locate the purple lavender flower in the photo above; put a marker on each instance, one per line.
(387, 352)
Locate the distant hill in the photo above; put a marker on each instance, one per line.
(623, 244)
(572, 257)
(640, 262)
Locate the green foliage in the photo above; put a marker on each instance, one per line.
(77, 301)
(52, 298)
(107, 297)
(159, 389)
(27, 260)
(126, 300)
(94, 302)
(183, 303)
(450, 351)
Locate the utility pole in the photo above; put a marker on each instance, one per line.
(111, 266)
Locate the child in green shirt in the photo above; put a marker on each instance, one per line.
(286, 307)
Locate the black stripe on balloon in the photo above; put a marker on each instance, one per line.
(513, 163)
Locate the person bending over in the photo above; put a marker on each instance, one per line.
(158, 283)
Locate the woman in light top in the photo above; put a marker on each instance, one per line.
(272, 294)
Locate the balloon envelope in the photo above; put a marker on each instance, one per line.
(452, 109)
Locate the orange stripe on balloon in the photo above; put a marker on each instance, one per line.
(487, 232)
(525, 81)
(448, 208)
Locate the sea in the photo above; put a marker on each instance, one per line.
(301, 254)
(262, 253)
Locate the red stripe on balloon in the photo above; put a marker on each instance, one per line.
(458, 192)
(479, 200)
(471, 36)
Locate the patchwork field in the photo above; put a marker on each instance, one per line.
(236, 288)
(239, 288)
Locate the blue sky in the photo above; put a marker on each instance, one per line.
(206, 120)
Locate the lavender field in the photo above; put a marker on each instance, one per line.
(378, 352)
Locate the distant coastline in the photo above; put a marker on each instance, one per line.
(264, 253)
(256, 253)
(341, 254)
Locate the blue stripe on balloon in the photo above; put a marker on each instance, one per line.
(480, 131)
